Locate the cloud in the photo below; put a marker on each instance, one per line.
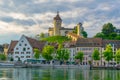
(32, 17)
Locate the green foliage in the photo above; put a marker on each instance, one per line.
(117, 37)
(2, 57)
(47, 52)
(96, 54)
(117, 56)
(108, 32)
(75, 30)
(84, 34)
(36, 53)
(108, 53)
(108, 28)
(79, 56)
(42, 35)
(100, 35)
(62, 54)
(58, 39)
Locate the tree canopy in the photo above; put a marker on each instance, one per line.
(108, 32)
(2, 57)
(108, 29)
(37, 53)
(84, 33)
(79, 55)
(57, 39)
(62, 54)
(108, 53)
(117, 56)
(47, 52)
(96, 54)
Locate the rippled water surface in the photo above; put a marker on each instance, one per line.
(57, 74)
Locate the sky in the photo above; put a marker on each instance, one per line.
(31, 17)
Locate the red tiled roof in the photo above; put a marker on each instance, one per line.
(35, 43)
(11, 46)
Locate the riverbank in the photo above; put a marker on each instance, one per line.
(20, 65)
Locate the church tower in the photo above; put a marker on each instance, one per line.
(79, 29)
(57, 21)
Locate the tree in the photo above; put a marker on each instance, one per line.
(108, 32)
(36, 53)
(108, 53)
(42, 35)
(57, 39)
(117, 56)
(3, 57)
(62, 54)
(47, 52)
(84, 33)
(79, 56)
(96, 54)
(100, 35)
(75, 30)
(117, 37)
(108, 28)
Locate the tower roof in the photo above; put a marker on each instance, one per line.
(57, 17)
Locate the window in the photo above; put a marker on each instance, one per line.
(27, 52)
(22, 52)
(16, 56)
(22, 41)
(27, 56)
(25, 44)
(16, 52)
(16, 48)
(19, 44)
(22, 56)
(28, 48)
(24, 49)
(77, 49)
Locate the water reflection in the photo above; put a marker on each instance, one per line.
(57, 74)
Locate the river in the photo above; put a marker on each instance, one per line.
(57, 74)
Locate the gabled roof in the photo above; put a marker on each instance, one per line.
(12, 46)
(35, 43)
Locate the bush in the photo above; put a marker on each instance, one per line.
(2, 57)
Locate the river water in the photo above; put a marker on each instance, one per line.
(57, 74)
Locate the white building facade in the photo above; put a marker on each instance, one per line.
(23, 50)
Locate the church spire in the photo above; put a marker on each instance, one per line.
(57, 17)
(57, 12)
